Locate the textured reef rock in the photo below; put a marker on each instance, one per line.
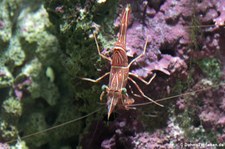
(212, 115)
(185, 42)
(45, 46)
(171, 137)
(28, 49)
(220, 20)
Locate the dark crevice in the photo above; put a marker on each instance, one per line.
(156, 4)
(51, 116)
(196, 122)
(167, 49)
(4, 92)
(41, 103)
(44, 146)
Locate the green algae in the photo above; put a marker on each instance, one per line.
(211, 67)
(80, 57)
(35, 122)
(53, 50)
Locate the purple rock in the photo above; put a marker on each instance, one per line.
(59, 9)
(20, 87)
(109, 144)
(4, 146)
(220, 20)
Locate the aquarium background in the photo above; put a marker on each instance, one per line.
(46, 46)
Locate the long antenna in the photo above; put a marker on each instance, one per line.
(133, 105)
(175, 96)
(54, 127)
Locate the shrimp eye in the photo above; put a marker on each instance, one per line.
(124, 90)
(104, 87)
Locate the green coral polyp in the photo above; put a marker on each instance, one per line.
(12, 107)
(50, 74)
(6, 79)
(8, 132)
(19, 145)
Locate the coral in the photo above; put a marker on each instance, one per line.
(12, 108)
(15, 54)
(67, 112)
(8, 132)
(19, 145)
(6, 24)
(10, 113)
(29, 38)
(28, 49)
(35, 122)
(6, 78)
